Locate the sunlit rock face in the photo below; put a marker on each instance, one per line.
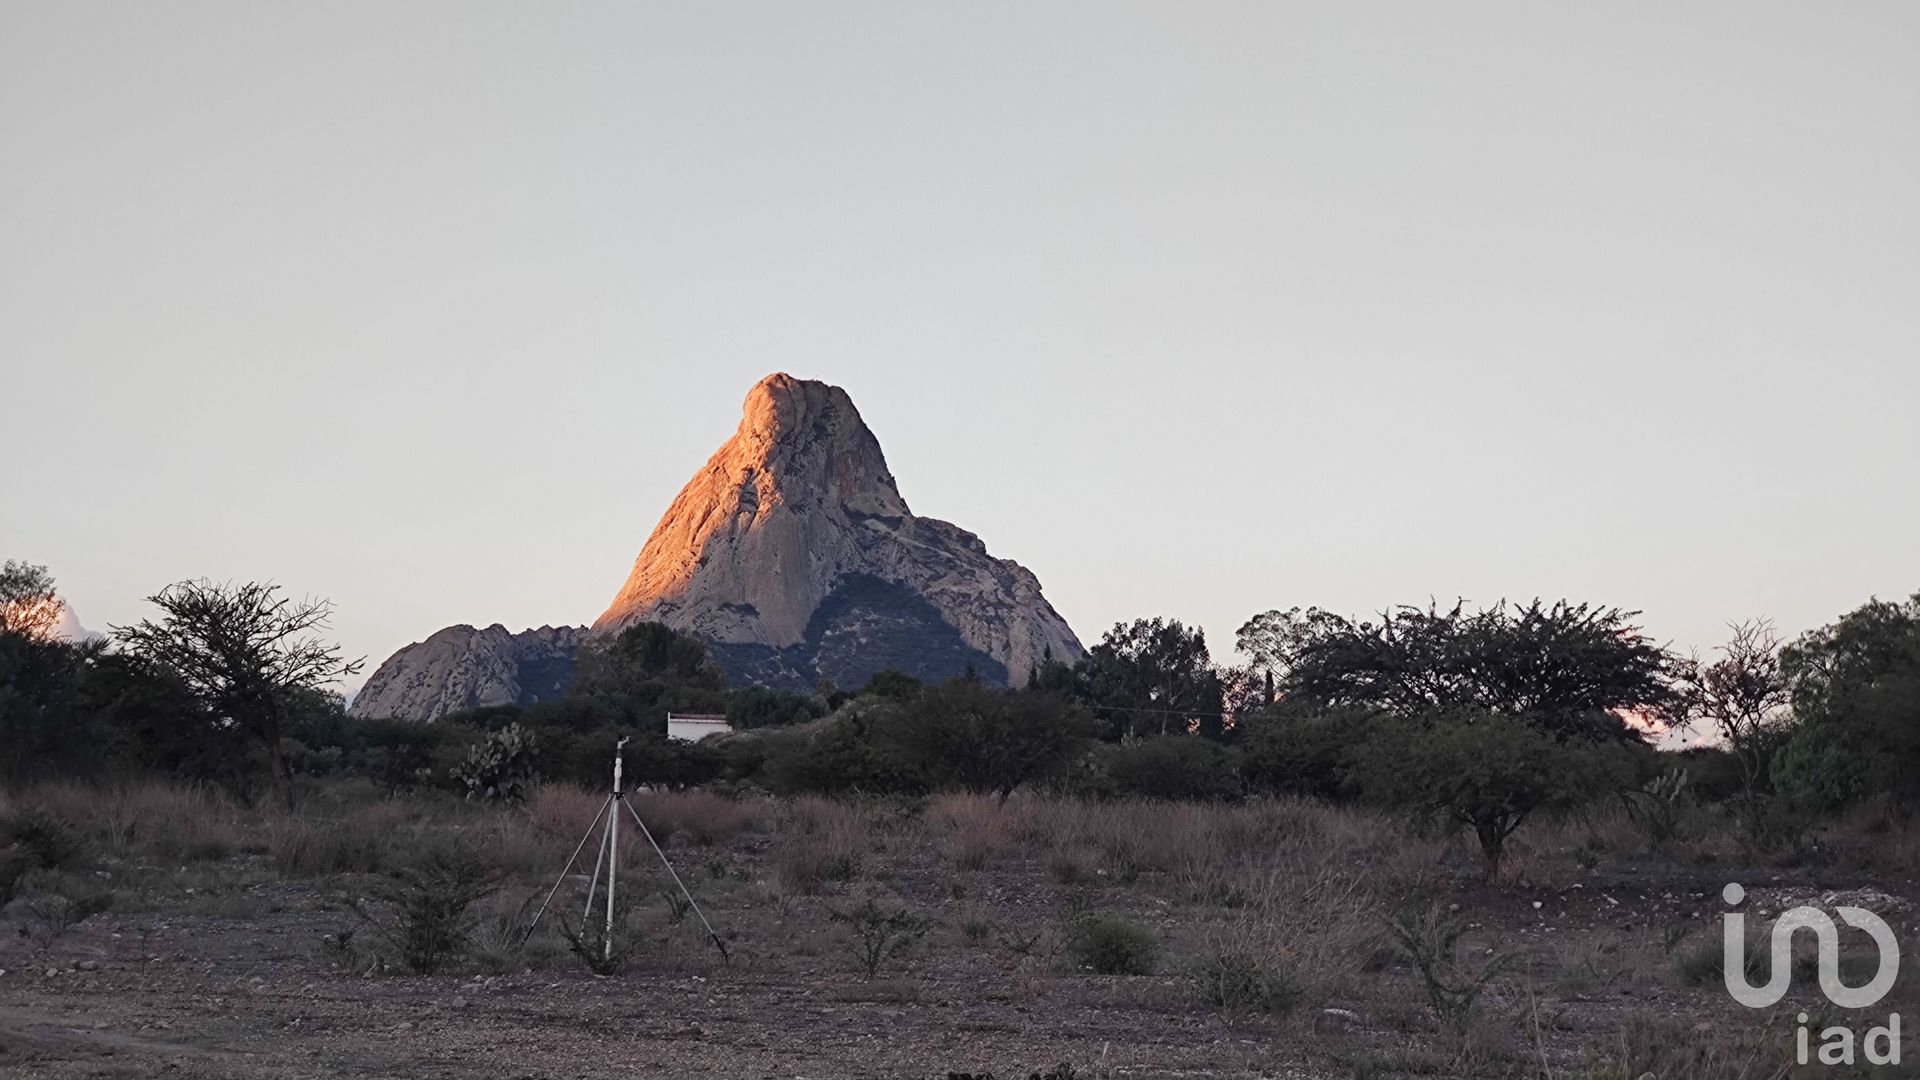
(793, 556)
(792, 553)
(464, 668)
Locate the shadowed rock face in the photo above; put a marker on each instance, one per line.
(792, 552)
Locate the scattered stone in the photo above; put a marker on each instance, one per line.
(1340, 1017)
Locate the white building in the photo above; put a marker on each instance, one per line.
(693, 728)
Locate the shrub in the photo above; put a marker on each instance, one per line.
(843, 757)
(1819, 771)
(15, 864)
(880, 933)
(1655, 807)
(1430, 940)
(1112, 945)
(318, 847)
(961, 734)
(1487, 772)
(1173, 767)
(1311, 755)
(976, 829)
(603, 953)
(824, 841)
(45, 841)
(892, 683)
(701, 816)
(1241, 983)
(429, 916)
(1704, 962)
(759, 706)
(502, 767)
(674, 764)
(67, 905)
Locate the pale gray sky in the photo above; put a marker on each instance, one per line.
(1195, 309)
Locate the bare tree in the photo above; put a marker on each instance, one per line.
(241, 649)
(1744, 696)
(29, 606)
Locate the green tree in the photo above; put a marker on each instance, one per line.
(1744, 698)
(674, 764)
(1855, 686)
(44, 730)
(850, 753)
(760, 706)
(240, 651)
(643, 654)
(1487, 772)
(1570, 667)
(30, 607)
(893, 683)
(1153, 676)
(967, 735)
(1172, 767)
(1290, 748)
(645, 671)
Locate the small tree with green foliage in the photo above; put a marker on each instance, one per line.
(1745, 699)
(1172, 767)
(30, 607)
(424, 909)
(1486, 772)
(242, 651)
(1153, 676)
(967, 735)
(1856, 690)
(1570, 668)
(760, 706)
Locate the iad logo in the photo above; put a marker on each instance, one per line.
(1882, 1044)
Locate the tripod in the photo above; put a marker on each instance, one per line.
(609, 860)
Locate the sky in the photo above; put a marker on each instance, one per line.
(1194, 309)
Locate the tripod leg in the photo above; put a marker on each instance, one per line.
(604, 807)
(691, 902)
(593, 884)
(613, 872)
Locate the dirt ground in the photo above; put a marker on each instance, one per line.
(230, 969)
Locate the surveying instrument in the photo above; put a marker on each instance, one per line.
(609, 860)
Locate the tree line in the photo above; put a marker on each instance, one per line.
(1475, 717)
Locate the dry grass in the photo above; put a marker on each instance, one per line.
(821, 841)
(702, 817)
(1262, 910)
(361, 841)
(1672, 1046)
(168, 822)
(973, 831)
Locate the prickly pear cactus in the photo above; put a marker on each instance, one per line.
(501, 768)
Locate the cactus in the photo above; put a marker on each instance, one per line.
(501, 768)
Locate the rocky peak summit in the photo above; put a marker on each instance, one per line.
(793, 554)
